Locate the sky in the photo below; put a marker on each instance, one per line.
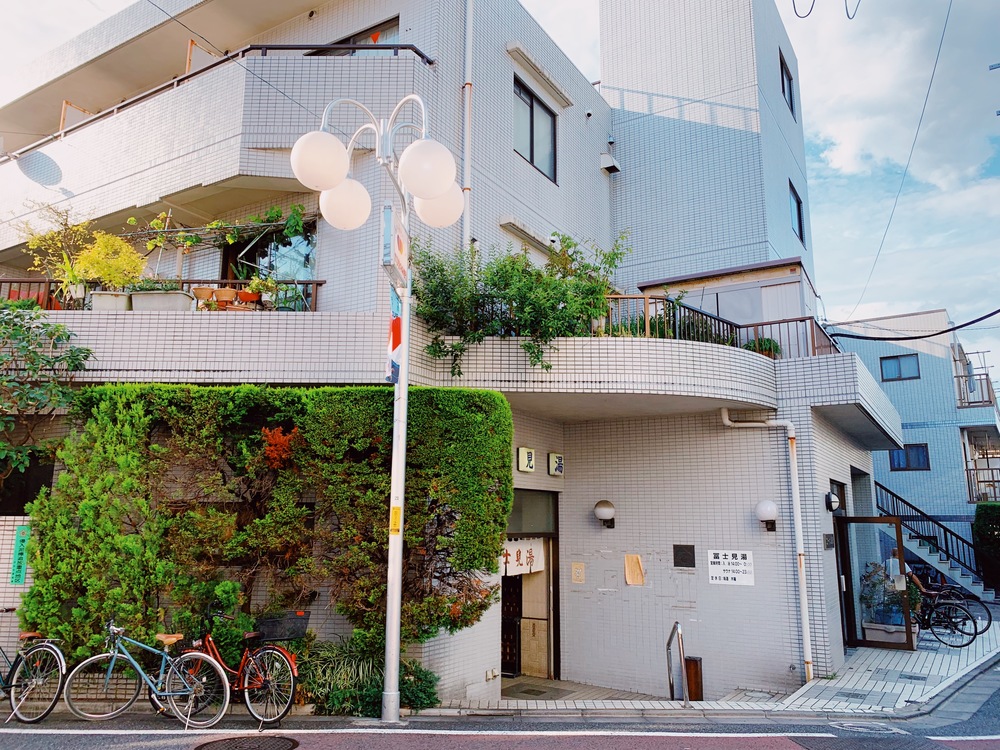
(862, 85)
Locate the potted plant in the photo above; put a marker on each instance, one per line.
(264, 286)
(882, 617)
(54, 252)
(116, 264)
(160, 295)
(767, 347)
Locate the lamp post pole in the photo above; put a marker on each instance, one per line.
(425, 173)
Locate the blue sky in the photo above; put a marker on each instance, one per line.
(862, 83)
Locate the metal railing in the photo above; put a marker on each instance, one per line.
(677, 632)
(975, 390)
(942, 540)
(644, 316)
(984, 485)
(299, 295)
(239, 54)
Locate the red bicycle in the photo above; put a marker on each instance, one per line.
(267, 674)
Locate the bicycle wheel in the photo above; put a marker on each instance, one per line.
(268, 682)
(980, 612)
(102, 687)
(197, 690)
(953, 625)
(36, 681)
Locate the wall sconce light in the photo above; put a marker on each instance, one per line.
(832, 502)
(766, 512)
(605, 513)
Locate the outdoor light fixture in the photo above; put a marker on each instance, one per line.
(766, 512)
(604, 511)
(426, 172)
(832, 502)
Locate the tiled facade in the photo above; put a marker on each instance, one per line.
(704, 186)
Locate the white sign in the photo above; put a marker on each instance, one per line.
(556, 465)
(730, 568)
(395, 248)
(525, 459)
(522, 556)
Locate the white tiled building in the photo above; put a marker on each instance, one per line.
(698, 109)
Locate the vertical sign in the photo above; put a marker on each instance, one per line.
(395, 248)
(395, 337)
(525, 459)
(19, 564)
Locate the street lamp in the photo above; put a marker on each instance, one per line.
(424, 171)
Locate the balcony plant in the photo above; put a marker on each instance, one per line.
(54, 252)
(150, 294)
(767, 347)
(115, 264)
(882, 614)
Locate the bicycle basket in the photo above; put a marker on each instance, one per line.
(288, 626)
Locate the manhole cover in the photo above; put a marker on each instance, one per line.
(532, 691)
(257, 742)
(867, 727)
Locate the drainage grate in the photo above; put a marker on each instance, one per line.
(256, 742)
(913, 677)
(532, 691)
(851, 696)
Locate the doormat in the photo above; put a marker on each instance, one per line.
(522, 691)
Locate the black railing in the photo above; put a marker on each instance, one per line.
(942, 540)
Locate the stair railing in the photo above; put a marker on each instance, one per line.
(679, 634)
(956, 548)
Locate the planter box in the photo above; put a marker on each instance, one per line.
(114, 301)
(163, 301)
(875, 631)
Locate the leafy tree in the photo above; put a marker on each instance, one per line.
(37, 365)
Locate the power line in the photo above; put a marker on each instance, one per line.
(914, 338)
(909, 157)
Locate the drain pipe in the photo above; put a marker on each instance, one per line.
(796, 523)
(467, 136)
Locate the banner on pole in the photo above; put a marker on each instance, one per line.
(395, 338)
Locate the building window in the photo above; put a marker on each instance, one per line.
(534, 131)
(21, 488)
(787, 89)
(798, 221)
(910, 458)
(279, 257)
(902, 367)
(384, 33)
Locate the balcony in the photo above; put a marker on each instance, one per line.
(975, 390)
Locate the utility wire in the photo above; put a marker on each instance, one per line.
(906, 168)
(847, 9)
(914, 338)
(808, 12)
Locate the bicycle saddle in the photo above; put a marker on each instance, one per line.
(25, 636)
(168, 639)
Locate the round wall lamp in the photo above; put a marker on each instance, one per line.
(766, 512)
(832, 502)
(604, 511)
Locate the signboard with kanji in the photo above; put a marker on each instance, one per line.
(730, 567)
(522, 556)
(19, 562)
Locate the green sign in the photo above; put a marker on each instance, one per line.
(19, 563)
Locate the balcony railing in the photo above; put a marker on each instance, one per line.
(645, 316)
(975, 390)
(298, 295)
(984, 485)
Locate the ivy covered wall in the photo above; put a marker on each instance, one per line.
(169, 490)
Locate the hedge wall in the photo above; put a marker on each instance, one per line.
(168, 490)
(986, 537)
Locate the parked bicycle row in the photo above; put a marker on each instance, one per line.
(194, 686)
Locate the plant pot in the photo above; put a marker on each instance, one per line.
(77, 291)
(246, 296)
(225, 295)
(876, 631)
(202, 293)
(110, 301)
(174, 301)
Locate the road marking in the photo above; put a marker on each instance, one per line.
(983, 738)
(445, 732)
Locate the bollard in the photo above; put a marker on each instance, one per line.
(692, 668)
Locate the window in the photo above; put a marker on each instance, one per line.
(277, 256)
(903, 367)
(384, 33)
(534, 131)
(787, 89)
(21, 488)
(798, 222)
(911, 458)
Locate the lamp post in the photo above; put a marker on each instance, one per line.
(425, 172)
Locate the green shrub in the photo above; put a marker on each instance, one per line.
(986, 537)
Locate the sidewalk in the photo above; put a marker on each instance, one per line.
(873, 681)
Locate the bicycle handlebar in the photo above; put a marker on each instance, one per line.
(223, 616)
(6, 610)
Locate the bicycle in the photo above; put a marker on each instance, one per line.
(107, 684)
(266, 675)
(977, 608)
(34, 680)
(951, 623)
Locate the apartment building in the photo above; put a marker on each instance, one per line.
(686, 437)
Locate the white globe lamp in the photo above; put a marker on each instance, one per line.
(427, 169)
(319, 160)
(442, 211)
(347, 206)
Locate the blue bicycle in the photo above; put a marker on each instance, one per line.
(193, 684)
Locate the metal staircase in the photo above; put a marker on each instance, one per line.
(934, 543)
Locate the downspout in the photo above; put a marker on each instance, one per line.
(467, 136)
(796, 523)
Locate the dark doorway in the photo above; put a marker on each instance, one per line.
(510, 626)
